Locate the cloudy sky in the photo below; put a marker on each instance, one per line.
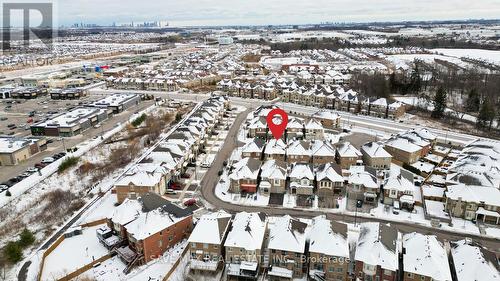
(257, 12)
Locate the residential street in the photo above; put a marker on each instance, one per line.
(211, 178)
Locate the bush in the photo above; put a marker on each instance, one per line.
(138, 121)
(13, 252)
(26, 238)
(68, 162)
(7, 193)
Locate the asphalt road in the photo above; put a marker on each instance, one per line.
(211, 178)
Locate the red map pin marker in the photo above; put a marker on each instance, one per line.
(274, 124)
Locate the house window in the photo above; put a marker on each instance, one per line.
(276, 182)
(205, 246)
(331, 269)
(160, 243)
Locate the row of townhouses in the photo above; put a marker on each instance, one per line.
(250, 246)
(320, 96)
(169, 160)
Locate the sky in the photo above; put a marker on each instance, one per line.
(263, 12)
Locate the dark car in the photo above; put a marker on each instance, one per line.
(15, 180)
(50, 141)
(8, 183)
(359, 204)
(40, 165)
(11, 125)
(56, 156)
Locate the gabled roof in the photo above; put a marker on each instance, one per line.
(377, 246)
(211, 228)
(314, 124)
(399, 183)
(254, 146)
(298, 147)
(346, 149)
(274, 169)
(329, 172)
(474, 263)
(247, 231)
(301, 170)
(328, 237)
(375, 149)
(288, 234)
(246, 168)
(322, 148)
(425, 255)
(275, 147)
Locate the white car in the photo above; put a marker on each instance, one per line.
(32, 170)
(48, 160)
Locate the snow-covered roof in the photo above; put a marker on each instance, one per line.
(399, 183)
(327, 171)
(361, 177)
(247, 231)
(403, 144)
(314, 124)
(377, 246)
(143, 174)
(328, 238)
(275, 146)
(298, 147)
(474, 263)
(322, 148)
(375, 149)
(255, 146)
(346, 149)
(326, 114)
(128, 211)
(301, 170)
(288, 234)
(246, 168)
(151, 222)
(478, 194)
(274, 169)
(425, 255)
(211, 228)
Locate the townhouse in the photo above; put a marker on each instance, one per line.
(363, 184)
(329, 185)
(347, 155)
(142, 230)
(329, 119)
(298, 151)
(273, 177)
(206, 242)
(244, 246)
(403, 151)
(141, 179)
(424, 258)
(328, 250)
(295, 129)
(476, 203)
(244, 176)
(399, 188)
(302, 179)
(314, 130)
(287, 246)
(254, 149)
(257, 127)
(376, 254)
(375, 156)
(322, 152)
(470, 261)
(275, 149)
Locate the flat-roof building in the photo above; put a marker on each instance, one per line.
(118, 102)
(14, 150)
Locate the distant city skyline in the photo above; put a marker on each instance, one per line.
(261, 12)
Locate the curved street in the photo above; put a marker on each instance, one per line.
(211, 178)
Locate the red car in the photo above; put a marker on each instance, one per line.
(176, 186)
(190, 202)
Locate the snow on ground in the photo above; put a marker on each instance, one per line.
(73, 253)
(100, 210)
(487, 55)
(112, 269)
(493, 231)
(289, 200)
(406, 60)
(222, 192)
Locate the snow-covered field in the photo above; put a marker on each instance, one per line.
(405, 61)
(487, 55)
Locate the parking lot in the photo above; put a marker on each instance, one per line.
(57, 144)
(15, 119)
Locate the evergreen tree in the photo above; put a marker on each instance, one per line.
(486, 115)
(439, 103)
(26, 238)
(13, 252)
(415, 79)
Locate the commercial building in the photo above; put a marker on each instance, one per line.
(15, 150)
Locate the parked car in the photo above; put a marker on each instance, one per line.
(50, 141)
(32, 170)
(176, 186)
(3, 187)
(48, 160)
(3, 118)
(56, 156)
(25, 175)
(359, 203)
(8, 183)
(15, 180)
(40, 165)
(11, 125)
(190, 202)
